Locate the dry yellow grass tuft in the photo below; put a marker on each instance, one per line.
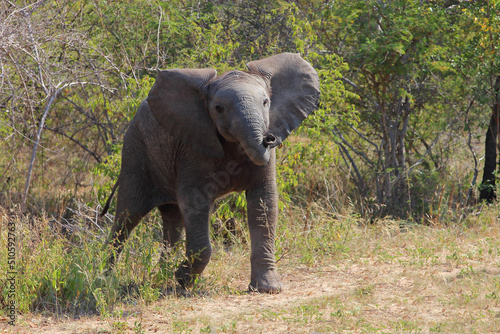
(339, 276)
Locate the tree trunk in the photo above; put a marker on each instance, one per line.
(487, 188)
(392, 191)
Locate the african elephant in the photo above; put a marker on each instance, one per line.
(199, 136)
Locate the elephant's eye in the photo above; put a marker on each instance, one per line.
(219, 109)
(266, 102)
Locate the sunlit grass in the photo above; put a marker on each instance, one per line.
(340, 274)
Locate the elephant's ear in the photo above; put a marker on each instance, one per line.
(177, 103)
(295, 90)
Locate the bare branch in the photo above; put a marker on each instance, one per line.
(34, 45)
(96, 156)
(361, 154)
(35, 148)
(347, 81)
(431, 146)
(362, 135)
(358, 179)
(469, 140)
(158, 38)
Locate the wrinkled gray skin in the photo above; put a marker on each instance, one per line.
(199, 137)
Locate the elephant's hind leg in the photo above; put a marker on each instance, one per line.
(124, 224)
(195, 212)
(132, 206)
(172, 224)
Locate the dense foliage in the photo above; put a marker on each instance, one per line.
(402, 84)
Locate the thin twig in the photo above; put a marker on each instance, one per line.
(96, 156)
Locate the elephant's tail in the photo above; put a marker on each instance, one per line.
(108, 202)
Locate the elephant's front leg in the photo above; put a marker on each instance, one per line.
(262, 220)
(195, 209)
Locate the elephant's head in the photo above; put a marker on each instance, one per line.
(258, 109)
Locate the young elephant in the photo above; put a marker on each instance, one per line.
(199, 136)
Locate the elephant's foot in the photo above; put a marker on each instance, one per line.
(184, 275)
(268, 282)
(187, 274)
(188, 271)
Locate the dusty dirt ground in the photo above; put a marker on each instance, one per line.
(382, 280)
(353, 297)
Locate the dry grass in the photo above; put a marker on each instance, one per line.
(339, 276)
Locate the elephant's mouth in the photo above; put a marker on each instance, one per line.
(261, 153)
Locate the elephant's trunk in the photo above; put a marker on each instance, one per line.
(251, 133)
